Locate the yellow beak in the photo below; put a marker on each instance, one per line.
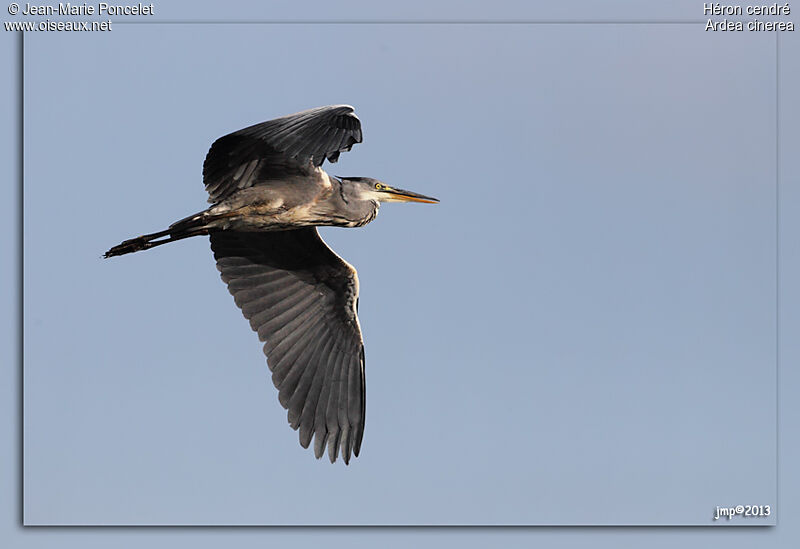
(401, 195)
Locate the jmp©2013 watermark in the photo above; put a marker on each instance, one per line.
(746, 511)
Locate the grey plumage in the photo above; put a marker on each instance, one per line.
(286, 146)
(268, 194)
(299, 296)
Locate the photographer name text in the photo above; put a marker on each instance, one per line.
(101, 8)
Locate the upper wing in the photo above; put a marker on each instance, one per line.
(290, 145)
(301, 298)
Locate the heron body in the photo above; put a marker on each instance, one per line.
(269, 193)
(318, 199)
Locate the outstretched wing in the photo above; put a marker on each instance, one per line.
(302, 298)
(290, 145)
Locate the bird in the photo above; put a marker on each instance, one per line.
(268, 194)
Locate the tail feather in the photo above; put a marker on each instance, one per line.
(191, 226)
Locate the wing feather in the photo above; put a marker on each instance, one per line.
(298, 396)
(284, 365)
(331, 414)
(292, 391)
(308, 393)
(321, 406)
(286, 146)
(300, 297)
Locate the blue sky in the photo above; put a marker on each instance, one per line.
(588, 318)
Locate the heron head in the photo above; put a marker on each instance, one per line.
(366, 188)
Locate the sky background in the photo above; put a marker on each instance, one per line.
(599, 349)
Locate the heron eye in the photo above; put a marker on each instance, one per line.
(378, 186)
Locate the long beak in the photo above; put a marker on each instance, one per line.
(401, 195)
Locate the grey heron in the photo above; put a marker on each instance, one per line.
(269, 193)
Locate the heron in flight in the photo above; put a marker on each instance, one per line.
(268, 194)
